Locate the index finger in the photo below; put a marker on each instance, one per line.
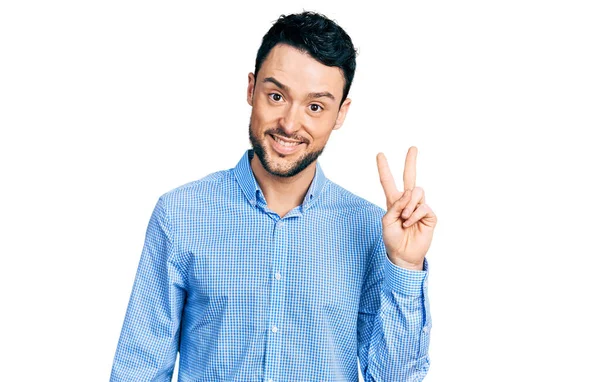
(410, 169)
(387, 180)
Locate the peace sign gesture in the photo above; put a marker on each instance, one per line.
(409, 222)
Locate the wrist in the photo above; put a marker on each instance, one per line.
(405, 264)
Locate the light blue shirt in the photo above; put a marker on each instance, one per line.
(245, 295)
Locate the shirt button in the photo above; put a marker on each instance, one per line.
(270, 380)
(278, 276)
(274, 329)
(426, 329)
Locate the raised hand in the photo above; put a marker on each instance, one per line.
(409, 222)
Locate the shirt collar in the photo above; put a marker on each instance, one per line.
(245, 178)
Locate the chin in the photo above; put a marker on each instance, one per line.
(282, 164)
(287, 166)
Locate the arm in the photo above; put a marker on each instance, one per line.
(394, 318)
(393, 322)
(149, 339)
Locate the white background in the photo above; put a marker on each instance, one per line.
(105, 106)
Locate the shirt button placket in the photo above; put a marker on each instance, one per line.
(278, 259)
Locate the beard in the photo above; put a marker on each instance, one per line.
(294, 168)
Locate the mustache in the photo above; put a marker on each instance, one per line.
(281, 132)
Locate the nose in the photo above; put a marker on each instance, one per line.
(290, 120)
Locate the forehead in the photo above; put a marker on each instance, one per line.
(300, 72)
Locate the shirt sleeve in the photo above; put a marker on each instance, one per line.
(393, 321)
(149, 339)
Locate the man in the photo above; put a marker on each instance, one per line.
(271, 272)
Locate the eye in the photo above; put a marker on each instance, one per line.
(314, 107)
(275, 97)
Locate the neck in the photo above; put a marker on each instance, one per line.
(283, 194)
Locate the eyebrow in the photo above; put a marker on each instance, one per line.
(287, 89)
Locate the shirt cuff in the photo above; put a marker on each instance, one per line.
(405, 281)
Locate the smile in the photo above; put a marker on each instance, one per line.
(284, 142)
(284, 146)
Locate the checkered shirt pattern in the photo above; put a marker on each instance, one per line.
(245, 295)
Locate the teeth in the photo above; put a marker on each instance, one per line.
(283, 143)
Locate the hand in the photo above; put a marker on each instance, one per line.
(409, 222)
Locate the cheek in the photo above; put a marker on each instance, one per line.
(263, 114)
(320, 128)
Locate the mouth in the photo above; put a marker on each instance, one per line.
(284, 146)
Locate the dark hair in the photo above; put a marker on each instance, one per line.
(316, 35)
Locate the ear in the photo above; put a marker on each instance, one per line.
(250, 90)
(342, 113)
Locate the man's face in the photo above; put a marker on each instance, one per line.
(295, 106)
